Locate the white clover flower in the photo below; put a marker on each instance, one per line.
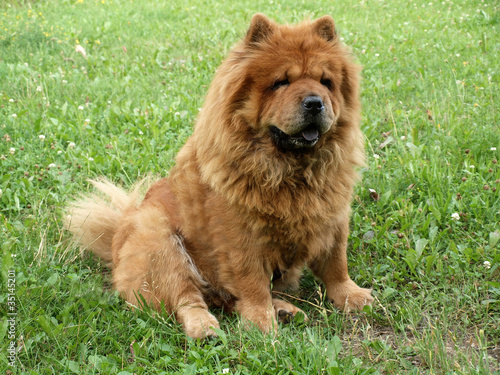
(11, 100)
(41, 137)
(225, 371)
(140, 132)
(0, 193)
(59, 152)
(52, 165)
(493, 149)
(455, 216)
(376, 156)
(487, 265)
(403, 137)
(471, 167)
(87, 121)
(80, 107)
(91, 159)
(71, 145)
(39, 88)
(14, 115)
(12, 150)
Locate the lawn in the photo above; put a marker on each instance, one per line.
(91, 88)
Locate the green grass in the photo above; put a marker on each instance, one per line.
(431, 86)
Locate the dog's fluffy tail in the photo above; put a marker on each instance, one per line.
(94, 218)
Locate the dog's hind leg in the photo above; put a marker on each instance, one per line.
(152, 261)
(285, 312)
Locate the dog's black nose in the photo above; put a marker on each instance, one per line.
(313, 105)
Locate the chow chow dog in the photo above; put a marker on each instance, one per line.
(260, 190)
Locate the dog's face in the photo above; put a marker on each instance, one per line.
(295, 83)
(300, 109)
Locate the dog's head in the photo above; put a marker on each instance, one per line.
(298, 81)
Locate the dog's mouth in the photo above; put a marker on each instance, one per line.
(305, 138)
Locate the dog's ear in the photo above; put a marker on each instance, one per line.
(325, 28)
(261, 28)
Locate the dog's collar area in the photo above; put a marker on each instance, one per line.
(306, 138)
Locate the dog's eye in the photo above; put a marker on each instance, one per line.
(327, 83)
(279, 84)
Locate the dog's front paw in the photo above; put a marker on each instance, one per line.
(256, 315)
(348, 296)
(198, 323)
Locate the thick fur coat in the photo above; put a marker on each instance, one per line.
(260, 190)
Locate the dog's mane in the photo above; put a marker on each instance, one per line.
(239, 160)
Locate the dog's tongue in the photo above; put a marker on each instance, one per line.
(310, 133)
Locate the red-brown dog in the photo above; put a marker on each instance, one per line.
(259, 191)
